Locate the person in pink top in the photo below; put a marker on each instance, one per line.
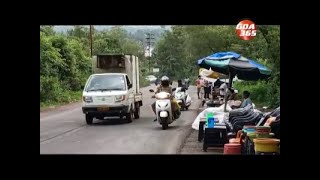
(199, 84)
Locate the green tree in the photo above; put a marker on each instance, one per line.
(186, 44)
(65, 61)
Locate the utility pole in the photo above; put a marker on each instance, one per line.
(90, 39)
(90, 36)
(149, 42)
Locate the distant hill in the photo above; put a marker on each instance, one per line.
(130, 29)
(136, 32)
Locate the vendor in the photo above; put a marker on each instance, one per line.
(217, 83)
(206, 89)
(247, 100)
(233, 94)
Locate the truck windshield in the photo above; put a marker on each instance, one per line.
(106, 83)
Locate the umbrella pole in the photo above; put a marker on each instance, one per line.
(231, 75)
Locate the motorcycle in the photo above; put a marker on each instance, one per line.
(183, 98)
(164, 113)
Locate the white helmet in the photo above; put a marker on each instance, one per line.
(164, 78)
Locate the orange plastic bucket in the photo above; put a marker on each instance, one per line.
(232, 148)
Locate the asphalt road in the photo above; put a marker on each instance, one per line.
(64, 131)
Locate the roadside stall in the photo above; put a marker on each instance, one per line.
(211, 77)
(231, 121)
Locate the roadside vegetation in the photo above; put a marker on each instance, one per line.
(65, 62)
(177, 52)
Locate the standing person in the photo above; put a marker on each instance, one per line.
(210, 88)
(199, 85)
(206, 89)
(223, 89)
(217, 83)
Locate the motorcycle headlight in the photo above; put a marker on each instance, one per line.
(162, 96)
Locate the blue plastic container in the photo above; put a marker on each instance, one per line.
(211, 122)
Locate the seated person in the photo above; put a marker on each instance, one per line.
(179, 83)
(186, 81)
(233, 94)
(165, 87)
(247, 100)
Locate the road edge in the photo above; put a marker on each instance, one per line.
(187, 134)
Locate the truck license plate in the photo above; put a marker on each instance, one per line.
(103, 109)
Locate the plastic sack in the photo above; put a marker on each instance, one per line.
(176, 103)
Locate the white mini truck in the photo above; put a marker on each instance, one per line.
(113, 89)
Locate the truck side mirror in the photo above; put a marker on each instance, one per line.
(130, 86)
(82, 87)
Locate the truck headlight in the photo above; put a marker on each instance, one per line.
(87, 99)
(120, 98)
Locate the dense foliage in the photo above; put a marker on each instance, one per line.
(65, 62)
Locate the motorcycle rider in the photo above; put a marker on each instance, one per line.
(165, 87)
(186, 82)
(180, 83)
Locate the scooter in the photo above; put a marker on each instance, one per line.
(164, 112)
(183, 98)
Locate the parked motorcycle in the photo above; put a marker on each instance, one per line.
(164, 113)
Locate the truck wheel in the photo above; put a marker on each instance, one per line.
(137, 112)
(129, 116)
(89, 119)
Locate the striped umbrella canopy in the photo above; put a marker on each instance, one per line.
(233, 64)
